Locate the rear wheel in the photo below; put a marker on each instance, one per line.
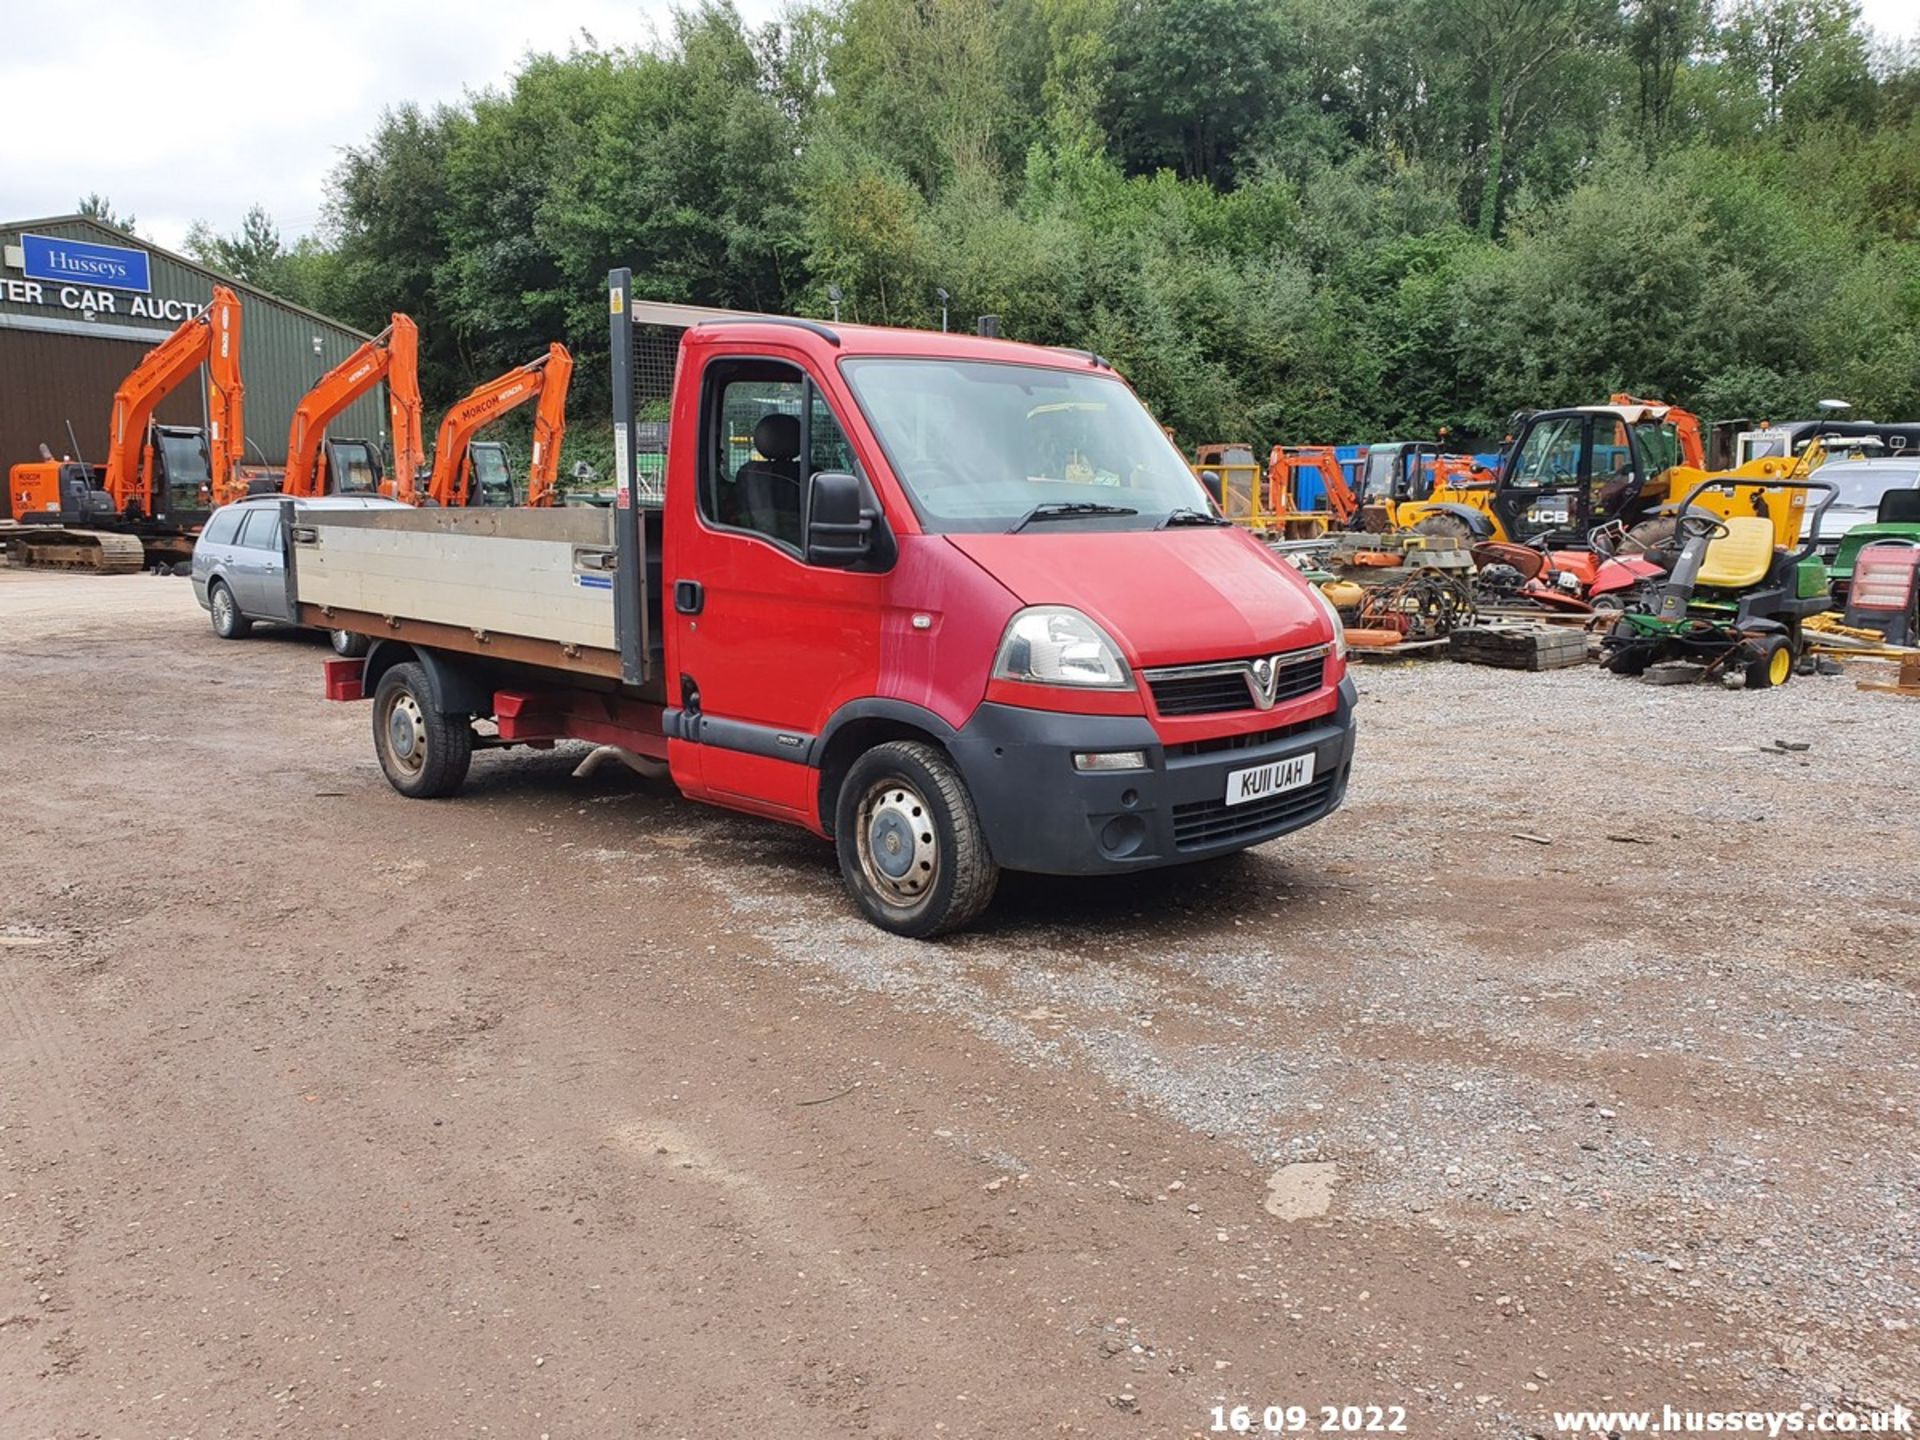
(1773, 665)
(910, 845)
(424, 753)
(347, 644)
(224, 610)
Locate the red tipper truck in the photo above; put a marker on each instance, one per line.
(954, 603)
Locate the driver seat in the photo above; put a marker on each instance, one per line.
(1740, 558)
(770, 485)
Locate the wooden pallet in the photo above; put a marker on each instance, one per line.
(1519, 647)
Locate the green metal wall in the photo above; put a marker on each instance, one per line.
(75, 357)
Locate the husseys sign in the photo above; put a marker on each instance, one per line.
(89, 278)
(83, 262)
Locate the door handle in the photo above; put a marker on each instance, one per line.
(688, 596)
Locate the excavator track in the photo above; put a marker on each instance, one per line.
(53, 547)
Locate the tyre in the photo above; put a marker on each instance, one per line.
(424, 753)
(1444, 525)
(347, 645)
(911, 849)
(224, 611)
(1773, 665)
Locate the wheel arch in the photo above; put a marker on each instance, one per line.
(856, 728)
(457, 689)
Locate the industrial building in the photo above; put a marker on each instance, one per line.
(80, 302)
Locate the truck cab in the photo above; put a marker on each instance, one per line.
(1032, 580)
(492, 472)
(350, 467)
(954, 603)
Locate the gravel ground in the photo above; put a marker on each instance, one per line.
(1406, 1109)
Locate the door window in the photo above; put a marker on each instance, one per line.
(753, 476)
(1551, 455)
(223, 527)
(1612, 480)
(1660, 447)
(262, 530)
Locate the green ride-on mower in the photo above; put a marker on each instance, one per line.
(1738, 588)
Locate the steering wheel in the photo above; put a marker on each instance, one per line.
(1695, 526)
(936, 470)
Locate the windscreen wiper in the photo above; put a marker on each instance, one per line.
(1187, 515)
(1067, 510)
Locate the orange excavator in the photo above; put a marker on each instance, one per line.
(320, 465)
(158, 480)
(1284, 464)
(455, 454)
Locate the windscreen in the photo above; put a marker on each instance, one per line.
(1861, 486)
(979, 445)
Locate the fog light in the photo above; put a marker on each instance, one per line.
(1123, 836)
(1110, 760)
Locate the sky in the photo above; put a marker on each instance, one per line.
(224, 105)
(231, 104)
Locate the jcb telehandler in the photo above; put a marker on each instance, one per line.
(1567, 473)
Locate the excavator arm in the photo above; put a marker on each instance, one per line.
(392, 356)
(548, 378)
(226, 397)
(549, 427)
(211, 337)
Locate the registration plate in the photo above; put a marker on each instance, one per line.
(1271, 779)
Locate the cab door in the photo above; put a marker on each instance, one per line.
(1543, 492)
(763, 646)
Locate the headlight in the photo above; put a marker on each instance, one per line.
(1333, 619)
(1055, 645)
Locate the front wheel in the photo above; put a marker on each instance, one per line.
(424, 753)
(224, 611)
(1448, 525)
(1773, 665)
(909, 840)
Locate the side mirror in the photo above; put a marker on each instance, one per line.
(839, 532)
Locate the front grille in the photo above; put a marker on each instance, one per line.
(1252, 740)
(1205, 823)
(1226, 685)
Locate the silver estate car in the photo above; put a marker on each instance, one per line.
(240, 566)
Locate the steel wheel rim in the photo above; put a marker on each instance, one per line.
(898, 843)
(406, 731)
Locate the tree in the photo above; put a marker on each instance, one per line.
(253, 253)
(1194, 82)
(1511, 49)
(96, 206)
(1806, 58)
(1661, 36)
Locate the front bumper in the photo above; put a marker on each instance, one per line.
(1041, 814)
